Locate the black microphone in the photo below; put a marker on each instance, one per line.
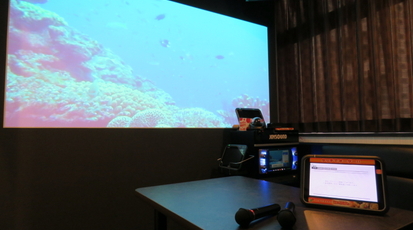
(286, 217)
(245, 216)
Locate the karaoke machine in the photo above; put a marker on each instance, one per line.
(265, 152)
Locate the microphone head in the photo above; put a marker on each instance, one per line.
(244, 217)
(286, 218)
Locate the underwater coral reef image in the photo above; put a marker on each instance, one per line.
(131, 64)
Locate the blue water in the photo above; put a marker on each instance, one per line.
(201, 59)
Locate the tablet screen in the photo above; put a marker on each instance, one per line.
(344, 182)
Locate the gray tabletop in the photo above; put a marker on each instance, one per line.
(212, 204)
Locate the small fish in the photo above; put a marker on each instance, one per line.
(160, 17)
(165, 43)
(219, 57)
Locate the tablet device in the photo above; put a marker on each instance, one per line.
(248, 116)
(345, 183)
(232, 156)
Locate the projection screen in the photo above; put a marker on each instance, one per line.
(129, 64)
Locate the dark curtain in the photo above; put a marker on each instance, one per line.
(345, 65)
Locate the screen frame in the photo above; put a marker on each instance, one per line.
(381, 184)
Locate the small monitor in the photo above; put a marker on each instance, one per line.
(277, 159)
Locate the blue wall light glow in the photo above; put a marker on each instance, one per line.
(129, 63)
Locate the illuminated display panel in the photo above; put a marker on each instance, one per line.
(131, 64)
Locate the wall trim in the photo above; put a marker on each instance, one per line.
(358, 138)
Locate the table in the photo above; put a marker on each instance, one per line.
(212, 204)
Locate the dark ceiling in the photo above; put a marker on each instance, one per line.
(258, 11)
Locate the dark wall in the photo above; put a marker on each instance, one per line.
(85, 178)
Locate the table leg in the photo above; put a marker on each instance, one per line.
(160, 221)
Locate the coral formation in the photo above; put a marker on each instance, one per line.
(33, 17)
(229, 116)
(120, 122)
(149, 118)
(199, 117)
(49, 96)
